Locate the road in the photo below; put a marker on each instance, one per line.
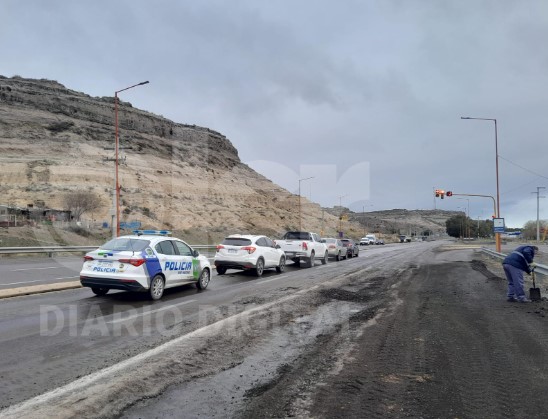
(22, 272)
(407, 330)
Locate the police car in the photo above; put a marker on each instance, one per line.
(148, 261)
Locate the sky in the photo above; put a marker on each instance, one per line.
(365, 97)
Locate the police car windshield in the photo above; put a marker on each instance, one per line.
(236, 241)
(123, 243)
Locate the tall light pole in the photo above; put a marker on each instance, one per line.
(538, 221)
(116, 225)
(300, 180)
(467, 213)
(340, 214)
(497, 215)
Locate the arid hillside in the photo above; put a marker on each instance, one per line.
(54, 141)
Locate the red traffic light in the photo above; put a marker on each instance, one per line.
(449, 193)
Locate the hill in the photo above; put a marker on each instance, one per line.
(183, 177)
(54, 141)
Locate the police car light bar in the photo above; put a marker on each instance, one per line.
(153, 232)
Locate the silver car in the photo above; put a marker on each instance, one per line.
(335, 248)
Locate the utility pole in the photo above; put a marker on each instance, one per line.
(538, 199)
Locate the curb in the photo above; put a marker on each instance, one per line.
(39, 289)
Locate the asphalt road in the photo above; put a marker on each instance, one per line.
(27, 271)
(408, 330)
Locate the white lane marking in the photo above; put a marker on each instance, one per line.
(24, 282)
(34, 269)
(149, 312)
(273, 279)
(78, 386)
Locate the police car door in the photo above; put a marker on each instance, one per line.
(170, 261)
(185, 253)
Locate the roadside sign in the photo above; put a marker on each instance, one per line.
(498, 225)
(130, 225)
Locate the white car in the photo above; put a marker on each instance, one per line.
(335, 248)
(148, 261)
(247, 252)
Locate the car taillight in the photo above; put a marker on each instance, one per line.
(249, 249)
(219, 247)
(134, 262)
(87, 258)
(305, 246)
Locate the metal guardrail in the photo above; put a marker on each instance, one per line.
(68, 249)
(540, 269)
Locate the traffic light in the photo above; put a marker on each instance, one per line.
(449, 193)
(439, 193)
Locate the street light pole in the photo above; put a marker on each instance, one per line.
(340, 214)
(497, 215)
(116, 227)
(300, 180)
(538, 221)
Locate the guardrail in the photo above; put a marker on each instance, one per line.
(69, 249)
(540, 269)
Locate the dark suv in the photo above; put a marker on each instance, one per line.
(352, 248)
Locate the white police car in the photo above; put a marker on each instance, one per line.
(147, 261)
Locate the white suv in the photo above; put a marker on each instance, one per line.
(245, 252)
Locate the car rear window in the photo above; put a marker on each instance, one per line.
(236, 241)
(331, 240)
(121, 244)
(296, 235)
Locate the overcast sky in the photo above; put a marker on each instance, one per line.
(366, 96)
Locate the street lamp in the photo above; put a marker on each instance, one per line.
(467, 213)
(340, 215)
(538, 221)
(116, 230)
(497, 215)
(300, 180)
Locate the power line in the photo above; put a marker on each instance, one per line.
(523, 168)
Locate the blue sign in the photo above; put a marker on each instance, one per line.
(130, 225)
(498, 225)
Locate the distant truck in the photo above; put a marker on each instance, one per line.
(303, 246)
(368, 239)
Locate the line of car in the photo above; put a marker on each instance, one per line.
(151, 261)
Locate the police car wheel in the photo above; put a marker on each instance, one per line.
(203, 281)
(259, 268)
(156, 288)
(99, 291)
(281, 267)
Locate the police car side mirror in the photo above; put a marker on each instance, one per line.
(195, 253)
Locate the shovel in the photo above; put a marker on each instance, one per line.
(534, 293)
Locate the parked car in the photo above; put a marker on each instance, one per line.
(148, 261)
(379, 241)
(352, 248)
(303, 246)
(335, 248)
(364, 241)
(247, 252)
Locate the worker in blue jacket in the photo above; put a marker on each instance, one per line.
(517, 262)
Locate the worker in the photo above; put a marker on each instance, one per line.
(517, 262)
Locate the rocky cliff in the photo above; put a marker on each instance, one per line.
(54, 140)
